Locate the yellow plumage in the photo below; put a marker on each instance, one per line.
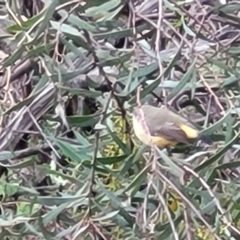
(165, 127)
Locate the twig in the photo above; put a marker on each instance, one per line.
(9, 137)
(40, 130)
(157, 42)
(27, 152)
(188, 203)
(174, 231)
(187, 222)
(211, 92)
(205, 185)
(94, 159)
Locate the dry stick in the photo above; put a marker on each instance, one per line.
(203, 80)
(195, 20)
(166, 22)
(204, 84)
(56, 53)
(183, 38)
(158, 28)
(27, 152)
(230, 96)
(153, 169)
(225, 220)
(43, 135)
(134, 30)
(211, 91)
(103, 73)
(145, 127)
(157, 42)
(135, 47)
(94, 158)
(167, 213)
(187, 222)
(188, 203)
(195, 39)
(81, 224)
(22, 121)
(47, 141)
(156, 216)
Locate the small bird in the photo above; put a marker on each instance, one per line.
(162, 127)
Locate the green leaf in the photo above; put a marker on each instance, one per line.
(71, 152)
(184, 80)
(38, 50)
(104, 7)
(80, 91)
(218, 155)
(135, 184)
(72, 33)
(83, 120)
(26, 25)
(186, 28)
(14, 56)
(117, 34)
(23, 164)
(111, 160)
(78, 22)
(47, 16)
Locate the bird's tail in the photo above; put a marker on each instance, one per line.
(205, 138)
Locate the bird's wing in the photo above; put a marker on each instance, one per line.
(170, 131)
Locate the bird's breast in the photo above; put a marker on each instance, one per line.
(143, 136)
(140, 132)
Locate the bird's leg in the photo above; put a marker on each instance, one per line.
(169, 151)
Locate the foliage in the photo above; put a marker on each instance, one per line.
(71, 168)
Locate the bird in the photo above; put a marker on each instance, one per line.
(164, 128)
